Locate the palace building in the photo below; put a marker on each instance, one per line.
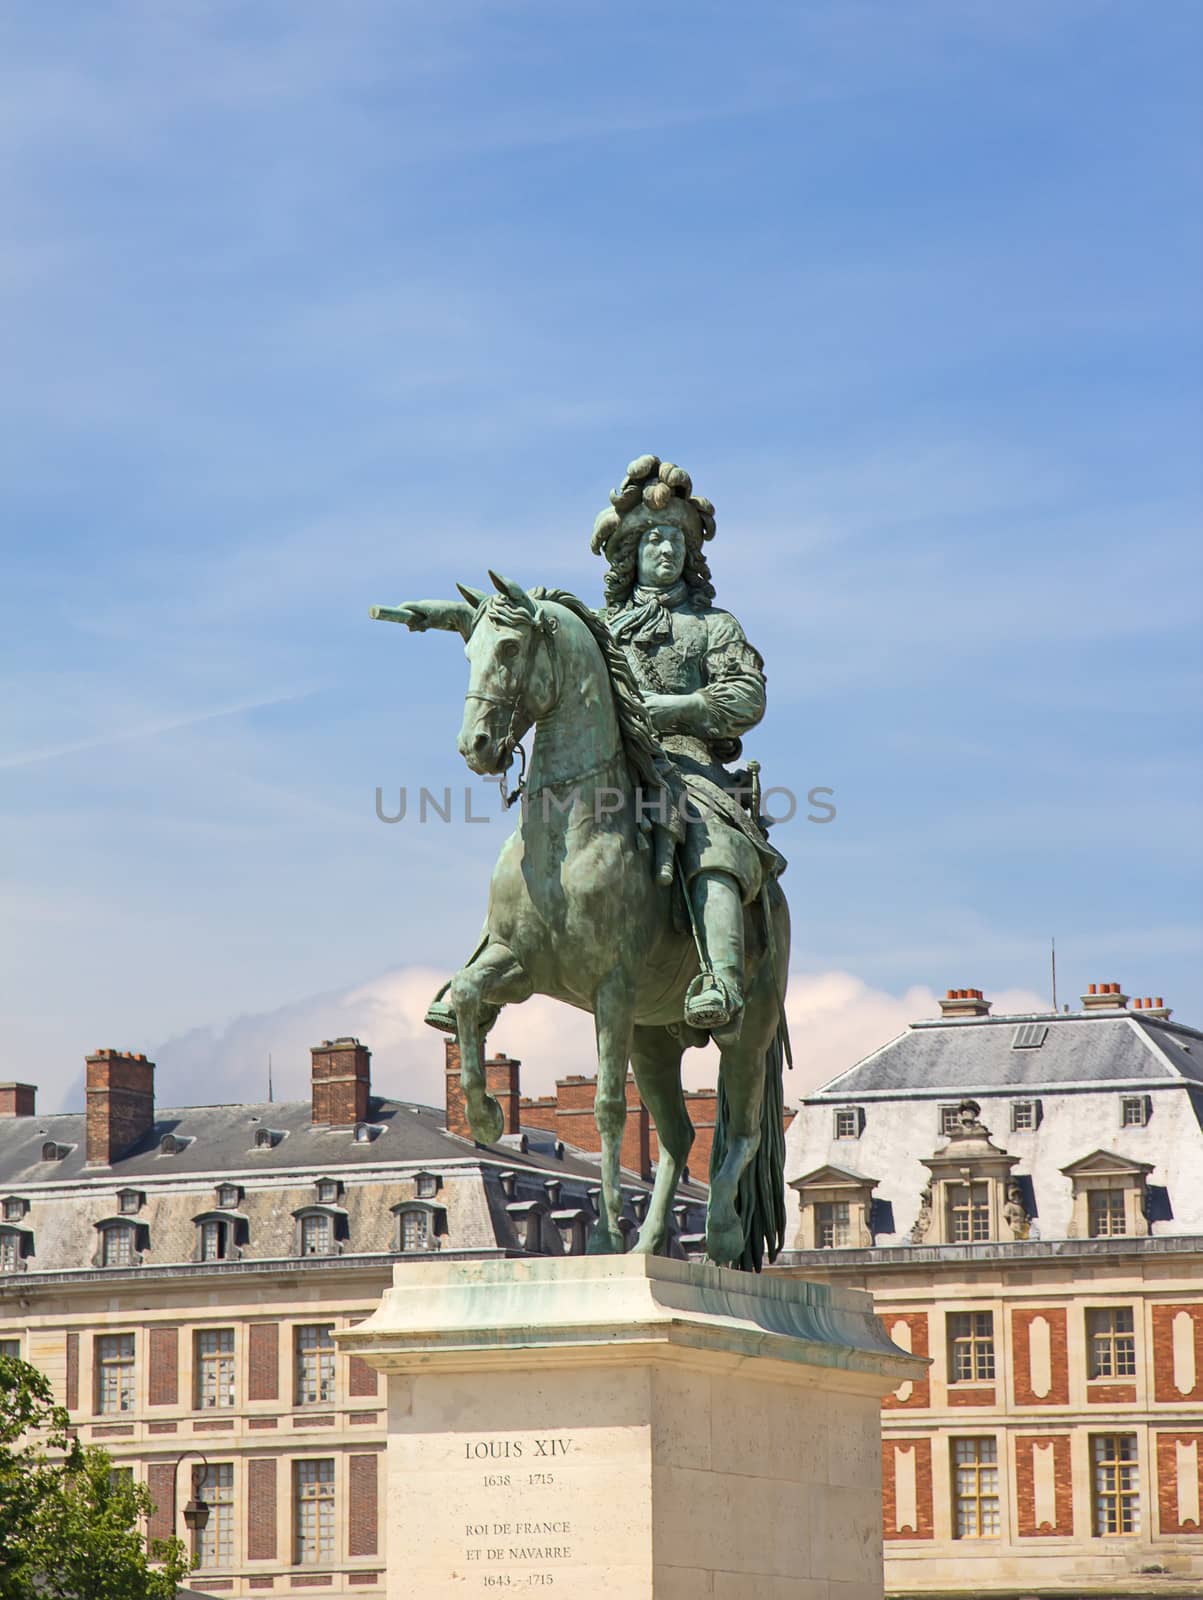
(1023, 1196)
(179, 1275)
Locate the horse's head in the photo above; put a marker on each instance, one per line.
(512, 678)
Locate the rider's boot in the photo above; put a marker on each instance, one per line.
(716, 999)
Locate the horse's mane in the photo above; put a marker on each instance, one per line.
(644, 753)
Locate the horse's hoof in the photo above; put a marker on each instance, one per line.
(603, 1243)
(486, 1120)
(725, 1242)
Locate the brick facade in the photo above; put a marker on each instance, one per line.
(160, 1480)
(342, 1082)
(164, 1382)
(261, 1508)
(1165, 1387)
(1168, 1509)
(920, 1395)
(1111, 1394)
(72, 1396)
(120, 1104)
(263, 1375)
(362, 1532)
(1026, 1446)
(1022, 1319)
(965, 1394)
(891, 1450)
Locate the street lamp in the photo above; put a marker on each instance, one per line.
(196, 1512)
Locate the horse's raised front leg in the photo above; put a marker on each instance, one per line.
(656, 1058)
(614, 1021)
(494, 978)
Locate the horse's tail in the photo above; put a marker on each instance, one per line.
(761, 1197)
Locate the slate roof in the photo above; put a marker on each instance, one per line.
(955, 1055)
(221, 1141)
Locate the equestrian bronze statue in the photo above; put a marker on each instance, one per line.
(639, 884)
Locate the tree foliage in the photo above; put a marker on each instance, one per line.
(70, 1527)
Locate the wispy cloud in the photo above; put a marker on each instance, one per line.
(151, 730)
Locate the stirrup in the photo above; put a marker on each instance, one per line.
(709, 1003)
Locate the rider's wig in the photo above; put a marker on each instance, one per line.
(652, 488)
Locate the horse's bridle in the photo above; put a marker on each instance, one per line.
(540, 626)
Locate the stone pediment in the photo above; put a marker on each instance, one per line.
(831, 1177)
(1106, 1164)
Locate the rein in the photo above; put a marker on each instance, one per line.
(541, 627)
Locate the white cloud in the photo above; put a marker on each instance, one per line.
(835, 1019)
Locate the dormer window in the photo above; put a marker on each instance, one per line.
(315, 1235)
(1025, 1116)
(15, 1208)
(228, 1195)
(130, 1201)
(169, 1145)
(948, 1120)
(52, 1151)
(1109, 1196)
(327, 1191)
(267, 1138)
(426, 1185)
(365, 1132)
(11, 1249)
(118, 1245)
(1135, 1110)
(419, 1225)
(836, 1206)
(849, 1122)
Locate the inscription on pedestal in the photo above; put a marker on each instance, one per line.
(522, 1512)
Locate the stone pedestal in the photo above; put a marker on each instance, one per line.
(629, 1428)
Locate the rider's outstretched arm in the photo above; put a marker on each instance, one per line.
(453, 616)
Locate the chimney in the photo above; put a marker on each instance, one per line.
(964, 1003)
(16, 1099)
(636, 1154)
(1104, 997)
(121, 1104)
(574, 1112)
(1152, 1010)
(502, 1078)
(341, 1082)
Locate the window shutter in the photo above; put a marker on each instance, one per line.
(362, 1537)
(261, 1509)
(164, 1366)
(264, 1376)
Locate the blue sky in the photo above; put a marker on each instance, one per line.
(308, 306)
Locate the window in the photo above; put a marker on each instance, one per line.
(227, 1195)
(213, 1545)
(314, 1365)
(1111, 1336)
(313, 1512)
(121, 1478)
(10, 1250)
(14, 1209)
(426, 1185)
(263, 1139)
(327, 1192)
(114, 1372)
(11, 1348)
(1025, 1116)
(129, 1201)
(971, 1347)
(1116, 1483)
(214, 1368)
(1105, 1212)
(948, 1120)
(213, 1241)
(52, 1151)
(968, 1212)
(117, 1247)
(833, 1225)
(848, 1122)
(975, 1488)
(315, 1236)
(1134, 1111)
(415, 1230)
